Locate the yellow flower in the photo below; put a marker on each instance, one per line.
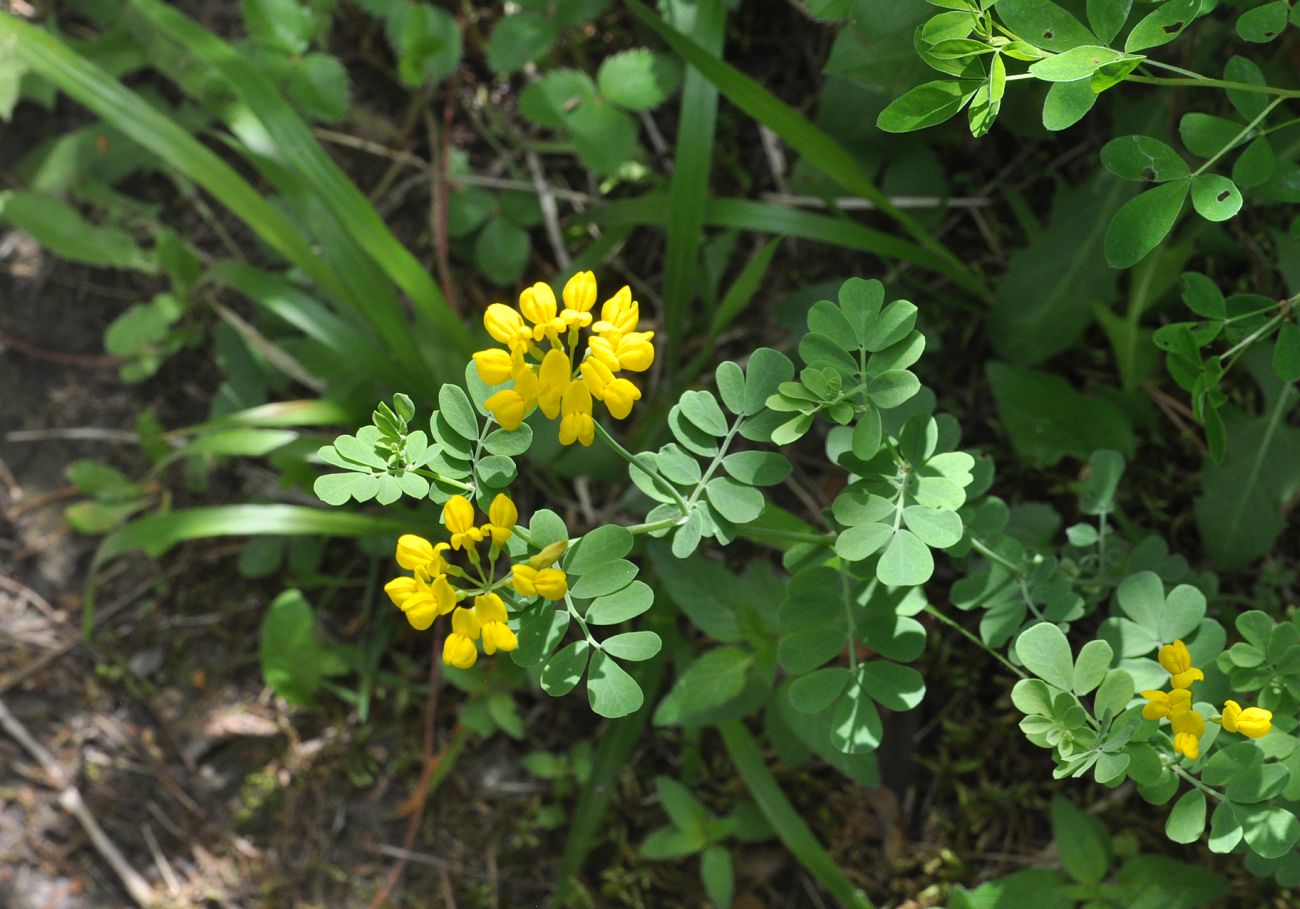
(491, 614)
(1253, 722)
(416, 553)
(494, 365)
(508, 408)
(602, 350)
(1187, 744)
(459, 649)
(553, 379)
(619, 395)
(1188, 728)
(1177, 661)
(576, 424)
(579, 297)
(537, 303)
(429, 602)
(618, 315)
(458, 516)
(550, 554)
(506, 326)
(528, 581)
(635, 350)
(502, 517)
(1160, 705)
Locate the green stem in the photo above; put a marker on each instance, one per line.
(1206, 82)
(848, 618)
(1208, 790)
(643, 467)
(773, 534)
(652, 526)
(975, 639)
(992, 556)
(431, 475)
(582, 623)
(717, 462)
(1237, 138)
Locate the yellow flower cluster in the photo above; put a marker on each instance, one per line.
(428, 592)
(1176, 704)
(563, 377)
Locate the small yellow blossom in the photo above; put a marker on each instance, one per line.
(537, 303)
(458, 517)
(494, 365)
(635, 350)
(618, 315)
(1252, 722)
(552, 583)
(506, 325)
(1188, 728)
(619, 396)
(579, 297)
(491, 614)
(459, 649)
(1177, 661)
(554, 379)
(576, 423)
(1160, 704)
(502, 517)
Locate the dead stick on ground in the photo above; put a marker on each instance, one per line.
(72, 802)
(426, 774)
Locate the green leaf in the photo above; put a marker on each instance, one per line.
(1081, 839)
(717, 875)
(1076, 63)
(548, 100)
(1263, 23)
(1255, 165)
(701, 408)
(638, 79)
(1215, 198)
(1143, 222)
(1286, 352)
(1114, 693)
(564, 669)
(894, 686)
(61, 229)
(605, 136)
(1107, 17)
(757, 468)
(501, 251)
(1239, 511)
(632, 645)
(455, 407)
(814, 692)
(862, 541)
(319, 85)
(621, 605)
(935, 528)
(283, 24)
(765, 371)
(906, 561)
(1091, 667)
(1206, 135)
(294, 662)
(1141, 597)
(540, 631)
(611, 692)
(855, 722)
(427, 41)
(1047, 419)
(1143, 158)
(925, 105)
(1097, 490)
(1186, 820)
(604, 544)
(1067, 103)
(1046, 653)
(1271, 832)
(518, 39)
(605, 578)
(1044, 24)
(735, 501)
(1162, 25)
(714, 678)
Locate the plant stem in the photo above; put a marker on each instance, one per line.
(975, 639)
(1206, 82)
(644, 467)
(1208, 790)
(1237, 138)
(717, 461)
(992, 556)
(431, 475)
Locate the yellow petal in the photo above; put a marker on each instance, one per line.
(458, 515)
(413, 552)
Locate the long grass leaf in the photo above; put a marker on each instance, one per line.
(158, 533)
(688, 191)
(299, 147)
(783, 817)
(814, 144)
(86, 83)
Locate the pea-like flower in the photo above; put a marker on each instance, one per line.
(545, 353)
(1177, 661)
(1188, 728)
(459, 649)
(1252, 722)
(1162, 704)
(458, 517)
(551, 583)
(576, 422)
(502, 517)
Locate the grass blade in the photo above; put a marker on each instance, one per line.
(689, 189)
(298, 148)
(783, 817)
(815, 145)
(91, 86)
